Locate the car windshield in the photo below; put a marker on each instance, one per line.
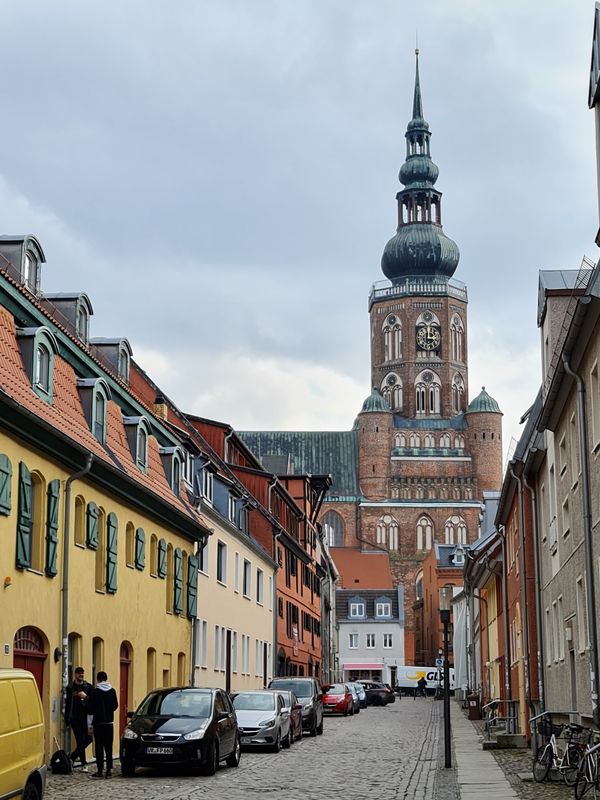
(247, 701)
(176, 703)
(335, 688)
(299, 688)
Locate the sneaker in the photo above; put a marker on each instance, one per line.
(84, 768)
(97, 775)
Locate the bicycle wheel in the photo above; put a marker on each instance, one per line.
(586, 777)
(569, 766)
(542, 763)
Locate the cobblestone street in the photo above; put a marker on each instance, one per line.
(382, 753)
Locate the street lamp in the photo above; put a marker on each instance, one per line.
(445, 601)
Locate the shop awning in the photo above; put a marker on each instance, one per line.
(363, 666)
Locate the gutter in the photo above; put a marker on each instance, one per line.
(65, 589)
(587, 537)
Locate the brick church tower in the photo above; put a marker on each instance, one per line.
(415, 466)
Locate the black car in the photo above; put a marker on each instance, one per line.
(181, 726)
(378, 694)
(310, 696)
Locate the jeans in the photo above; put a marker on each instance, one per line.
(103, 739)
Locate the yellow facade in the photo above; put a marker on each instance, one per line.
(130, 634)
(495, 677)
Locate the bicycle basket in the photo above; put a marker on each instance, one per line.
(545, 728)
(578, 734)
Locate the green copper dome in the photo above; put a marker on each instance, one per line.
(483, 403)
(375, 402)
(420, 247)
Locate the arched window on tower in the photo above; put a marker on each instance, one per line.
(429, 441)
(458, 393)
(400, 440)
(457, 335)
(392, 338)
(415, 440)
(424, 533)
(455, 530)
(427, 393)
(333, 526)
(391, 390)
(387, 532)
(445, 440)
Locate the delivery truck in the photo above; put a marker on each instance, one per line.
(407, 677)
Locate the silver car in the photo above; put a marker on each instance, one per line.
(360, 691)
(263, 719)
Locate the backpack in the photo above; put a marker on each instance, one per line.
(60, 763)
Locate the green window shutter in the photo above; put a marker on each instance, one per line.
(192, 587)
(5, 484)
(53, 495)
(140, 549)
(111, 553)
(162, 559)
(24, 519)
(91, 526)
(178, 581)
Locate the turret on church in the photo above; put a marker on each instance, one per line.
(414, 468)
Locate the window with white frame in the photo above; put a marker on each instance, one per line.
(428, 441)
(573, 451)
(561, 638)
(204, 644)
(424, 533)
(400, 440)
(428, 393)
(217, 648)
(270, 593)
(387, 532)
(236, 572)
(414, 440)
(221, 562)
(555, 631)
(207, 485)
(392, 338)
(203, 559)
(457, 333)
(391, 390)
(458, 393)
(388, 642)
(370, 641)
(357, 609)
(549, 642)
(234, 651)
(383, 609)
(247, 579)
(223, 648)
(455, 530)
(260, 586)
(445, 440)
(582, 637)
(353, 641)
(231, 508)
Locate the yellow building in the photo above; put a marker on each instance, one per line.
(99, 530)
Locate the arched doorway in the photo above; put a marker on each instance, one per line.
(29, 653)
(124, 678)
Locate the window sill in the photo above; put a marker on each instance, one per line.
(259, 603)
(246, 597)
(222, 583)
(129, 566)
(80, 544)
(33, 571)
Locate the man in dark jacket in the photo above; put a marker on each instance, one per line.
(76, 699)
(101, 716)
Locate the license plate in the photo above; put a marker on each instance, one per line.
(246, 739)
(159, 751)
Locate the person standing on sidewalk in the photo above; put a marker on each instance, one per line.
(101, 716)
(76, 698)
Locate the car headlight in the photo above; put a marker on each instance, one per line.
(129, 734)
(307, 707)
(266, 723)
(198, 734)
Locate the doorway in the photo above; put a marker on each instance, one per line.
(28, 653)
(124, 677)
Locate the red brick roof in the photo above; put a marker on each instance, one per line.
(358, 569)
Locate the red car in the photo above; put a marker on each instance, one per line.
(337, 699)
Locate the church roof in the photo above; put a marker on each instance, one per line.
(332, 453)
(483, 403)
(375, 402)
(457, 423)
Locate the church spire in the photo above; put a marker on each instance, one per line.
(420, 249)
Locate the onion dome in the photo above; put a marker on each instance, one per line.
(483, 403)
(420, 247)
(375, 402)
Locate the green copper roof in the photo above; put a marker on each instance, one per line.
(419, 248)
(375, 402)
(332, 453)
(483, 403)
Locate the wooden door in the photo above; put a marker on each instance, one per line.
(28, 653)
(125, 662)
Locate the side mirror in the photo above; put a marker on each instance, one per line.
(222, 715)
(130, 714)
(297, 707)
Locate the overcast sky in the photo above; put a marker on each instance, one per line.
(220, 178)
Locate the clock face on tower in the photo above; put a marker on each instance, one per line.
(428, 337)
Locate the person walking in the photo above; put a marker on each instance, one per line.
(101, 708)
(76, 698)
(422, 685)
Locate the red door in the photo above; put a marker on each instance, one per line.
(123, 686)
(28, 653)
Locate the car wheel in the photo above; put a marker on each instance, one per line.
(234, 759)
(313, 729)
(212, 759)
(31, 792)
(320, 727)
(300, 733)
(276, 747)
(127, 768)
(287, 742)
(352, 711)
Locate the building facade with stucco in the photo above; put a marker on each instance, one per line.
(415, 466)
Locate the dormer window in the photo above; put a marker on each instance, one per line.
(30, 271)
(95, 394)
(357, 609)
(123, 368)
(137, 431)
(22, 256)
(173, 460)
(116, 354)
(383, 609)
(100, 417)
(82, 324)
(142, 448)
(231, 508)
(207, 485)
(38, 350)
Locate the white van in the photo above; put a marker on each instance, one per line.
(407, 677)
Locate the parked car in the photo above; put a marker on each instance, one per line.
(310, 695)
(181, 726)
(22, 767)
(337, 699)
(355, 700)
(377, 693)
(291, 702)
(362, 695)
(263, 719)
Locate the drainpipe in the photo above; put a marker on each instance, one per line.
(226, 446)
(524, 614)
(275, 609)
(502, 532)
(538, 595)
(587, 536)
(65, 590)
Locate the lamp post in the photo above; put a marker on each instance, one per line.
(445, 599)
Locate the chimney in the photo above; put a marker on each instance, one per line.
(161, 409)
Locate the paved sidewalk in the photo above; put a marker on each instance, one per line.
(477, 771)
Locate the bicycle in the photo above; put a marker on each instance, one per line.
(566, 762)
(587, 774)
